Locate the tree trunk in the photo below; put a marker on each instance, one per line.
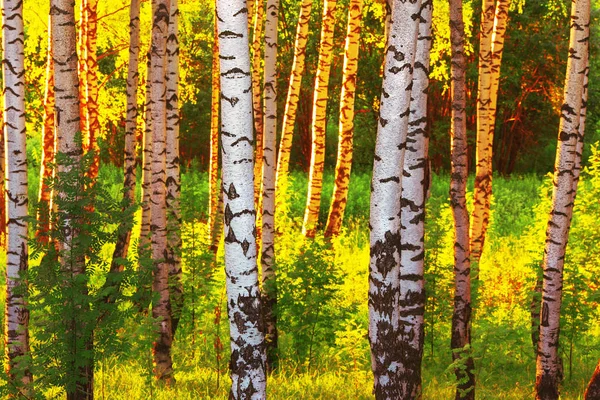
(412, 225)
(461, 317)
(269, 287)
(173, 170)
(48, 143)
(563, 196)
(64, 41)
(3, 241)
(293, 96)
(91, 86)
(346, 126)
(319, 121)
(493, 27)
(213, 183)
(259, 22)
(17, 313)
(161, 310)
(248, 356)
(384, 267)
(129, 162)
(593, 390)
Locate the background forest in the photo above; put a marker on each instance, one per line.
(322, 312)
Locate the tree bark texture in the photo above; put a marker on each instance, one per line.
(293, 97)
(173, 171)
(593, 390)
(257, 40)
(67, 110)
(319, 121)
(346, 125)
(563, 196)
(269, 164)
(386, 189)
(161, 309)
(16, 319)
(461, 317)
(493, 28)
(129, 162)
(48, 143)
(213, 173)
(412, 221)
(248, 356)
(146, 162)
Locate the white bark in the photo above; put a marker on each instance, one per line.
(247, 341)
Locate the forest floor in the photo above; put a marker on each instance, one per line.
(323, 301)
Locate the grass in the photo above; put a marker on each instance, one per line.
(334, 311)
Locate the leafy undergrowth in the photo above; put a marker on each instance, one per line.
(323, 314)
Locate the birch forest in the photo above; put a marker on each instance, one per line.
(300, 199)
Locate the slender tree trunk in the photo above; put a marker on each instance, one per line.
(17, 314)
(48, 143)
(91, 89)
(346, 127)
(173, 170)
(386, 189)
(82, 71)
(64, 41)
(461, 317)
(259, 22)
(161, 309)
(248, 356)
(412, 225)
(493, 27)
(319, 121)
(563, 196)
(593, 390)
(3, 241)
(269, 287)
(293, 96)
(129, 162)
(213, 183)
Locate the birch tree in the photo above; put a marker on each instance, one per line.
(257, 41)
(248, 357)
(293, 96)
(48, 143)
(346, 125)
(64, 42)
(213, 169)
(173, 171)
(563, 196)
(130, 156)
(319, 121)
(386, 189)
(461, 317)
(412, 223)
(17, 314)
(493, 28)
(161, 309)
(269, 164)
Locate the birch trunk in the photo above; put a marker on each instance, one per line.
(213, 183)
(319, 121)
(293, 96)
(269, 164)
(48, 143)
(346, 126)
(64, 41)
(461, 317)
(17, 314)
(259, 22)
(412, 225)
(91, 88)
(487, 105)
(386, 189)
(161, 309)
(173, 171)
(129, 162)
(557, 233)
(248, 356)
